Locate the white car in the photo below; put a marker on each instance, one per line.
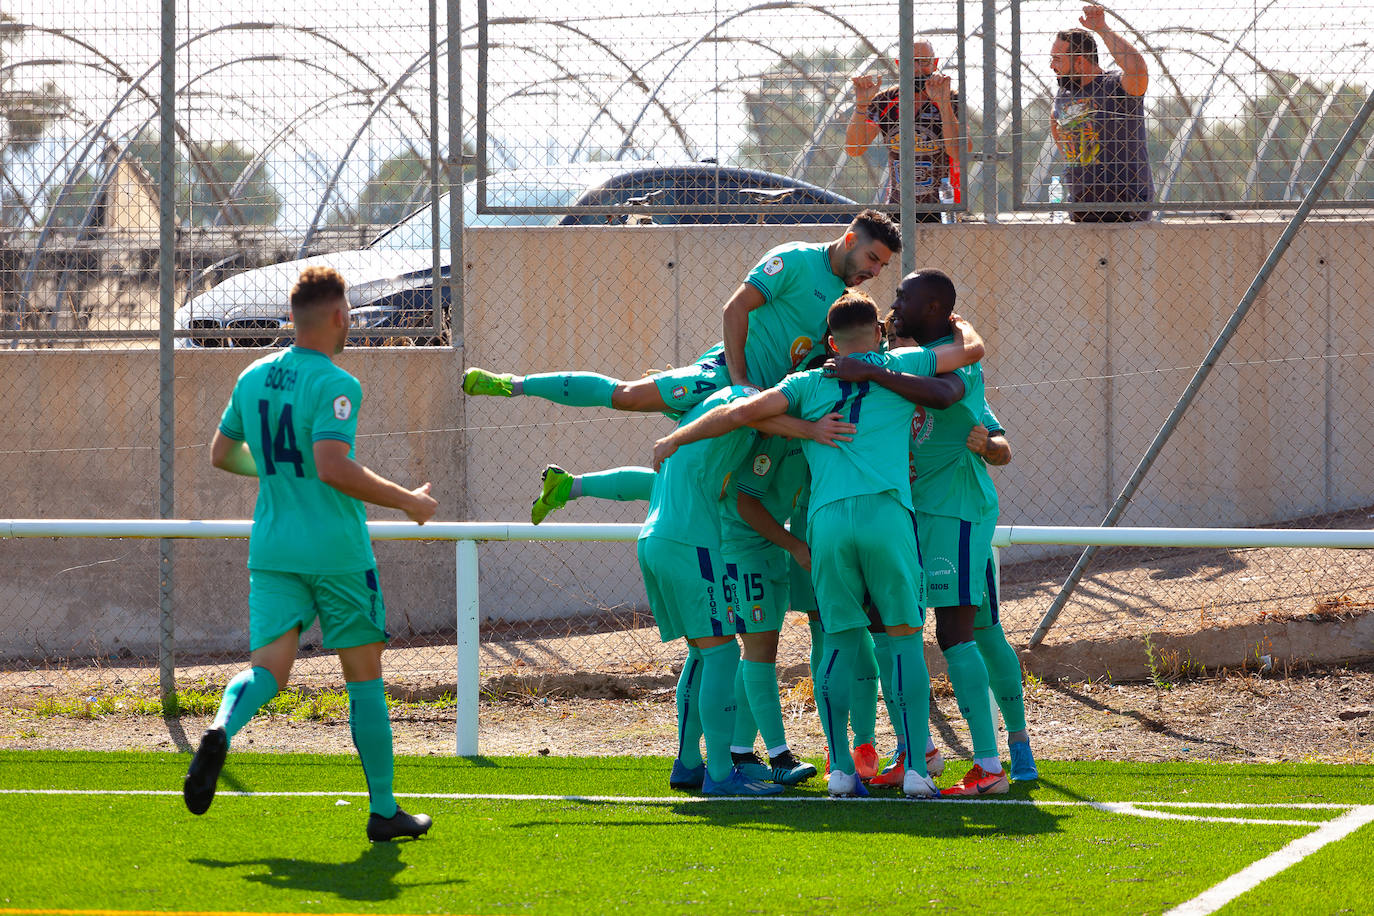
(392, 279)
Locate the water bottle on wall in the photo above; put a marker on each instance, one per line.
(946, 198)
(1056, 197)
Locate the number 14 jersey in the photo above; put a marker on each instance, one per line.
(281, 406)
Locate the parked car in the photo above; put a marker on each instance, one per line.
(390, 281)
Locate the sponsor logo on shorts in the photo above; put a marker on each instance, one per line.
(800, 348)
(729, 614)
(772, 266)
(756, 613)
(679, 391)
(343, 407)
(762, 463)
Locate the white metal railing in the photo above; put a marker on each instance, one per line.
(468, 534)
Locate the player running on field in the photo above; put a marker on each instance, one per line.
(291, 422)
(862, 532)
(679, 555)
(956, 512)
(772, 322)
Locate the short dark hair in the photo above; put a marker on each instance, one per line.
(931, 285)
(877, 226)
(1081, 42)
(316, 285)
(854, 309)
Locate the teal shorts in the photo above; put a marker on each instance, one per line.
(349, 605)
(957, 556)
(684, 388)
(756, 591)
(684, 588)
(866, 544)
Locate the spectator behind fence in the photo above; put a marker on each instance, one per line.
(936, 144)
(1098, 121)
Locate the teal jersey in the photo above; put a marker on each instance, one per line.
(281, 406)
(878, 457)
(774, 471)
(946, 478)
(685, 503)
(798, 289)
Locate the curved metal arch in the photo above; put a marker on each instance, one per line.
(775, 5)
(1311, 138)
(633, 74)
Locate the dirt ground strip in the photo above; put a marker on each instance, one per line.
(1325, 716)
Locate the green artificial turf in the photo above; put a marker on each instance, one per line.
(800, 854)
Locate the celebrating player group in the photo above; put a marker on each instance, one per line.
(873, 438)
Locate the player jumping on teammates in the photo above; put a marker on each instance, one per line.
(291, 422)
(772, 322)
(956, 512)
(862, 532)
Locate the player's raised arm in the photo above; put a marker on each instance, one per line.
(720, 420)
(965, 350)
(828, 430)
(736, 318)
(335, 468)
(939, 391)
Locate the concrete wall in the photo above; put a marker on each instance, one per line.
(1092, 334)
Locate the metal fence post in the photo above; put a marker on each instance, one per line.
(165, 371)
(468, 682)
(990, 110)
(906, 116)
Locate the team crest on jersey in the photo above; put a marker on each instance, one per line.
(679, 391)
(922, 424)
(800, 348)
(761, 465)
(343, 407)
(773, 265)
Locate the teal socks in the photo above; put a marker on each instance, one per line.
(863, 696)
(969, 677)
(760, 680)
(718, 665)
(833, 698)
(621, 484)
(689, 710)
(572, 389)
(817, 648)
(371, 727)
(746, 729)
(1004, 675)
(882, 651)
(245, 695)
(911, 687)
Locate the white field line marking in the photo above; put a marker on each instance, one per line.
(1137, 808)
(1214, 898)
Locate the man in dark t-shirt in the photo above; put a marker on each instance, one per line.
(1098, 121)
(936, 143)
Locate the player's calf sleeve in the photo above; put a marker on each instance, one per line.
(371, 727)
(573, 389)
(863, 696)
(248, 692)
(746, 729)
(1004, 675)
(817, 648)
(761, 689)
(882, 651)
(622, 484)
(911, 688)
(689, 710)
(833, 697)
(969, 677)
(718, 665)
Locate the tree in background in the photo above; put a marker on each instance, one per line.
(398, 187)
(24, 115)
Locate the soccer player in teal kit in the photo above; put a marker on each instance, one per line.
(291, 422)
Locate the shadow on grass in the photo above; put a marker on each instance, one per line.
(372, 876)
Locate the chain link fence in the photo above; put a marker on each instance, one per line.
(616, 175)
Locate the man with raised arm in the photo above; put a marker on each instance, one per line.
(1098, 121)
(862, 532)
(771, 323)
(291, 422)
